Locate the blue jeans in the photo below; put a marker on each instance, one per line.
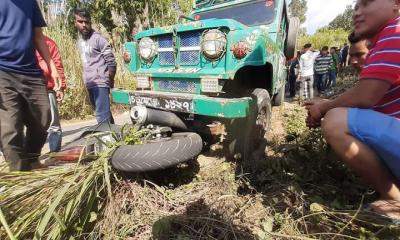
(332, 78)
(322, 81)
(100, 100)
(54, 130)
(380, 132)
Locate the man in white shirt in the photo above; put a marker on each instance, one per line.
(306, 72)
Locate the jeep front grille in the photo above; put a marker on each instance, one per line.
(189, 48)
(181, 85)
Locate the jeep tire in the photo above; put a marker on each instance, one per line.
(291, 39)
(249, 133)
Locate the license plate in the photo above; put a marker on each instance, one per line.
(162, 102)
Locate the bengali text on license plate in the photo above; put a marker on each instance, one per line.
(173, 104)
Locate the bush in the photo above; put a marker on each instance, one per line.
(325, 37)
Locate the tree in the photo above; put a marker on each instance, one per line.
(121, 16)
(298, 8)
(344, 20)
(325, 37)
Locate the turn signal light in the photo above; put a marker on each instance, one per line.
(240, 50)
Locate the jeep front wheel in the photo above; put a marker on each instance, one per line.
(249, 133)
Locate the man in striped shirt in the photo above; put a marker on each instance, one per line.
(363, 124)
(321, 67)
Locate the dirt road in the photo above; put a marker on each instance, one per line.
(72, 130)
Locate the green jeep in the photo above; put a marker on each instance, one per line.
(217, 74)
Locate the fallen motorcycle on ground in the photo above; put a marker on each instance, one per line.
(161, 148)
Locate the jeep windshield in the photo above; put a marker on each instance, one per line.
(251, 13)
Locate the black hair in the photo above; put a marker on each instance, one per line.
(307, 45)
(83, 13)
(325, 48)
(353, 39)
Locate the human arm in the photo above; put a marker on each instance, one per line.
(40, 45)
(56, 56)
(337, 61)
(300, 68)
(366, 94)
(107, 53)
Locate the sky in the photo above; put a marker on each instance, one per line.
(321, 12)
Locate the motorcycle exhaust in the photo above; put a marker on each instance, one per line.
(141, 115)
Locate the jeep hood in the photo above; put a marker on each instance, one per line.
(195, 25)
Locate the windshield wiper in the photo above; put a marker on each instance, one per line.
(187, 18)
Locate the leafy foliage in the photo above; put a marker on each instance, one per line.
(325, 37)
(298, 8)
(344, 20)
(123, 16)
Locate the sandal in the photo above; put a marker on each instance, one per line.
(371, 208)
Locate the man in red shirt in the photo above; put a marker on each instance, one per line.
(363, 124)
(54, 96)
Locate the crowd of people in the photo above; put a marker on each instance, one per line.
(32, 81)
(313, 70)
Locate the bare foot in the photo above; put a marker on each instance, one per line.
(37, 165)
(389, 208)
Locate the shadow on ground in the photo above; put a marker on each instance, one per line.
(200, 221)
(170, 178)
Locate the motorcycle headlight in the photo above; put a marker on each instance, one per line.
(213, 44)
(147, 49)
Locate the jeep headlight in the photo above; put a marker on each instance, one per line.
(213, 44)
(147, 49)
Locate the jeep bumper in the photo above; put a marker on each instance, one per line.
(185, 103)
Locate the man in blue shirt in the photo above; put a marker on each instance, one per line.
(23, 93)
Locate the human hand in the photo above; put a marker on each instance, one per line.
(60, 95)
(315, 108)
(55, 76)
(112, 78)
(311, 122)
